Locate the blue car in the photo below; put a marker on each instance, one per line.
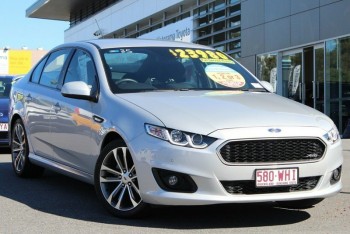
(5, 87)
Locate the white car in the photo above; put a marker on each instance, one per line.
(169, 123)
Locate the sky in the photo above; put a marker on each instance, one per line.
(18, 31)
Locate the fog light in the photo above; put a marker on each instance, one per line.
(172, 180)
(336, 175)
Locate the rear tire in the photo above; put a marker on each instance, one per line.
(300, 204)
(116, 182)
(20, 151)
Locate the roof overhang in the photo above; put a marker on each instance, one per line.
(53, 9)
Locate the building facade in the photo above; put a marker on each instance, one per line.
(299, 46)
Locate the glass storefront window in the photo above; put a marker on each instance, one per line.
(267, 69)
(292, 76)
(338, 83)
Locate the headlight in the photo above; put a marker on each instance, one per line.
(177, 137)
(333, 135)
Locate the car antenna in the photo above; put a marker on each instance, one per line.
(99, 31)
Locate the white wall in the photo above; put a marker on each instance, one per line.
(115, 17)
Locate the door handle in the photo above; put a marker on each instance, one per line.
(97, 119)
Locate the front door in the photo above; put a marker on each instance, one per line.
(303, 76)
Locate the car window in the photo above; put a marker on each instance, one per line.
(5, 87)
(53, 68)
(81, 68)
(37, 71)
(156, 68)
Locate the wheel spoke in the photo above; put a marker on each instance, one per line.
(120, 198)
(115, 152)
(115, 191)
(124, 158)
(17, 143)
(17, 149)
(18, 133)
(135, 188)
(18, 161)
(109, 179)
(110, 170)
(132, 197)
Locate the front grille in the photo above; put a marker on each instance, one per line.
(272, 150)
(248, 186)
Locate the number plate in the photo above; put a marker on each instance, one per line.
(276, 177)
(3, 127)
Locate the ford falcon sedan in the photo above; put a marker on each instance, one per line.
(169, 123)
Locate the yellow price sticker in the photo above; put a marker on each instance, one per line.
(197, 53)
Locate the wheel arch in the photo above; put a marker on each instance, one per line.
(111, 136)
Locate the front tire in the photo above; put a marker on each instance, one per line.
(20, 151)
(116, 181)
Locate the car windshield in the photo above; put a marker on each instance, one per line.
(5, 87)
(157, 68)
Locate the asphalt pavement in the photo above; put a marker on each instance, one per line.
(58, 204)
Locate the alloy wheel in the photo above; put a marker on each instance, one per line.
(19, 147)
(118, 180)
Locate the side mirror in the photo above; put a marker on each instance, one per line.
(77, 90)
(267, 86)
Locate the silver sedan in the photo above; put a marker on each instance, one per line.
(169, 123)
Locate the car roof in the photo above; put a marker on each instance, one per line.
(133, 42)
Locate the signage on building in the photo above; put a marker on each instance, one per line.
(179, 31)
(20, 61)
(4, 62)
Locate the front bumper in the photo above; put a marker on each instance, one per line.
(207, 169)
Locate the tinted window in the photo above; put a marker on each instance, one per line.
(53, 68)
(81, 68)
(37, 71)
(5, 87)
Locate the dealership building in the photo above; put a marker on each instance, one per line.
(302, 47)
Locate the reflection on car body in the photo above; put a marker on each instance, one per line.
(169, 123)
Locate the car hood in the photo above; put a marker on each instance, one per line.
(205, 112)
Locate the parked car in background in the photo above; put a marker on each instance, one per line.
(169, 123)
(5, 88)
